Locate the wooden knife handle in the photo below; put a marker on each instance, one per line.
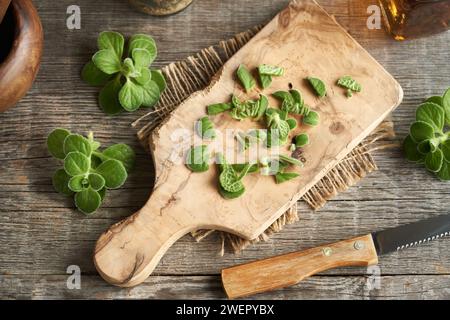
(289, 269)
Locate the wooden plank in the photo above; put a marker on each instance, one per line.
(47, 241)
(42, 235)
(209, 287)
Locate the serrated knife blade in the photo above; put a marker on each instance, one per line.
(412, 234)
(288, 269)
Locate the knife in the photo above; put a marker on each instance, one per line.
(289, 269)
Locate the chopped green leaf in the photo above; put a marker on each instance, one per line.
(318, 86)
(197, 159)
(217, 108)
(301, 140)
(285, 176)
(421, 131)
(247, 80)
(205, 128)
(269, 70)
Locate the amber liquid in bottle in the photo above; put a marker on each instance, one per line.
(406, 19)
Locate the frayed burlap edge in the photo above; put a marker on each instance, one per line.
(195, 73)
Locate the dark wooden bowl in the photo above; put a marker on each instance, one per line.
(20, 54)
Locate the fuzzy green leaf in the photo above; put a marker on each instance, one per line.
(107, 61)
(113, 41)
(60, 181)
(446, 105)
(159, 79)
(285, 176)
(144, 77)
(230, 195)
(229, 180)
(298, 99)
(109, 97)
(349, 83)
(55, 142)
(445, 147)
(88, 200)
(265, 81)
(131, 96)
(290, 160)
(217, 108)
(301, 140)
(93, 75)
(433, 160)
(78, 183)
(114, 173)
(205, 128)
(421, 131)
(77, 143)
(141, 57)
(197, 158)
(292, 123)
(122, 152)
(143, 41)
(432, 114)
(444, 173)
(410, 149)
(435, 99)
(96, 181)
(312, 118)
(76, 163)
(150, 94)
(318, 86)
(247, 80)
(269, 70)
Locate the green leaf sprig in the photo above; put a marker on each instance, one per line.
(428, 141)
(88, 172)
(125, 75)
(197, 158)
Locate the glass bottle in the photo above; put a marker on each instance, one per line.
(407, 19)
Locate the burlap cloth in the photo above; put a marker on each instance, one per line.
(195, 73)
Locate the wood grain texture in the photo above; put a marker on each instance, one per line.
(289, 269)
(304, 40)
(42, 234)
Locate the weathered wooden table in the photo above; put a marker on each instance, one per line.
(42, 235)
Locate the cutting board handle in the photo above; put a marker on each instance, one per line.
(129, 251)
(289, 269)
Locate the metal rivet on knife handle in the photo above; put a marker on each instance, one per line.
(359, 245)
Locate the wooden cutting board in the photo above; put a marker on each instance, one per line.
(304, 40)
